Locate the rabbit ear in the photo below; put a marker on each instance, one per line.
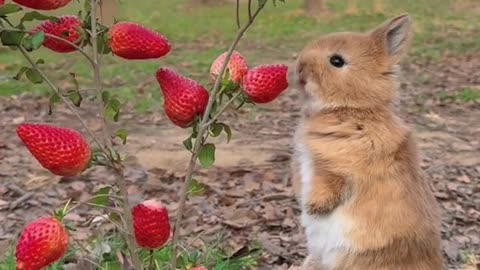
(394, 35)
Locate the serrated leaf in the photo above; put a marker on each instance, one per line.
(11, 38)
(122, 134)
(55, 98)
(195, 188)
(216, 129)
(34, 76)
(101, 197)
(112, 110)
(35, 15)
(20, 73)
(206, 156)
(188, 143)
(75, 97)
(9, 9)
(37, 40)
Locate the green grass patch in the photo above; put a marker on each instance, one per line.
(199, 34)
(105, 256)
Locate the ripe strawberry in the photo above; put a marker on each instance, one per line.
(2, 2)
(237, 67)
(42, 242)
(133, 41)
(183, 98)
(265, 83)
(150, 224)
(199, 268)
(43, 4)
(68, 28)
(61, 151)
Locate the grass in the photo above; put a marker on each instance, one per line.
(211, 256)
(199, 34)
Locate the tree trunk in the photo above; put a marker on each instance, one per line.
(314, 7)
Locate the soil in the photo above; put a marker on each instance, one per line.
(247, 195)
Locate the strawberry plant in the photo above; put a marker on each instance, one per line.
(187, 104)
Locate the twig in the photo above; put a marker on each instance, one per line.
(63, 98)
(56, 38)
(200, 138)
(118, 168)
(249, 9)
(224, 107)
(237, 13)
(150, 264)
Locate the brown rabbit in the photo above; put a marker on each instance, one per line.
(365, 203)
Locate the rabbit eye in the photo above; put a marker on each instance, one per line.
(337, 61)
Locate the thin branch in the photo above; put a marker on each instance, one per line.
(63, 98)
(80, 50)
(117, 166)
(250, 9)
(200, 139)
(224, 107)
(237, 13)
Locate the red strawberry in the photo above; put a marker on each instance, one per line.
(61, 151)
(43, 4)
(42, 242)
(199, 268)
(133, 41)
(237, 67)
(2, 2)
(183, 98)
(68, 28)
(150, 224)
(265, 83)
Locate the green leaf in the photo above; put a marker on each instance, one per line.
(228, 131)
(106, 97)
(20, 73)
(216, 129)
(75, 97)
(76, 86)
(34, 76)
(207, 155)
(102, 43)
(101, 197)
(195, 188)
(37, 40)
(188, 143)
(122, 134)
(55, 98)
(11, 38)
(112, 111)
(8, 9)
(35, 15)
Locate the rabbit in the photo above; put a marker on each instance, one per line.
(355, 169)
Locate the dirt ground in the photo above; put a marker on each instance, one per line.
(247, 197)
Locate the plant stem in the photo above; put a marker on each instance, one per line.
(224, 107)
(63, 98)
(200, 138)
(150, 264)
(117, 166)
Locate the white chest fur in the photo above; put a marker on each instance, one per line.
(325, 234)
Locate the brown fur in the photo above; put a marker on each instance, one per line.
(364, 156)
